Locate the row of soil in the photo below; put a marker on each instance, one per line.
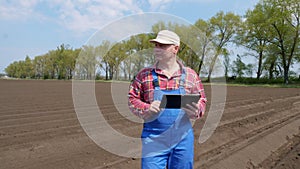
(237, 135)
(239, 132)
(41, 130)
(287, 156)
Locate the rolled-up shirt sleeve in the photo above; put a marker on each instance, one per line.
(199, 89)
(202, 101)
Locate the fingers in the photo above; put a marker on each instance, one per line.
(153, 111)
(194, 107)
(154, 107)
(191, 110)
(201, 114)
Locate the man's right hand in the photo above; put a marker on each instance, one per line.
(154, 106)
(153, 111)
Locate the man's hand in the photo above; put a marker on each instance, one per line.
(192, 110)
(154, 106)
(153, 110)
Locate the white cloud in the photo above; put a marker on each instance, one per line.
(83, 15)
(13, 10)
(77, 15)
(159, 4)
(27, 3)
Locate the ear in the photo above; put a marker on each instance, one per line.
(176, 49)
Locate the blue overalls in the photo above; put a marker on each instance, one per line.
(168, 139)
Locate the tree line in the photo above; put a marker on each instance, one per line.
(269, 33)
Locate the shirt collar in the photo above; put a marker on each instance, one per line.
(159, 71)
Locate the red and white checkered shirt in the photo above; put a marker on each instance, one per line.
(141, 89)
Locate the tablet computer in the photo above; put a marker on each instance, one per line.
(176, 101)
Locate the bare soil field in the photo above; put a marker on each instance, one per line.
(39, 129)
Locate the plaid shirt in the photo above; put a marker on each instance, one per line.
(141, 89)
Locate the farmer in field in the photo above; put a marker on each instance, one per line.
(167, 136)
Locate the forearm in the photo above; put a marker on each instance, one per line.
(138, 107)
(202, 101)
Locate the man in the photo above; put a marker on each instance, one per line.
(167, 136)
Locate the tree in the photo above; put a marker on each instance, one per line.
(39, 63)
(207, 29)
(60, 61)
(190, 46)
(238, 66)
(70, 57)
(226, 64)
(20, 69)
(28, 68)
(86, 63)
(224, 28)
(283, 18)
(254, 34)
(272, 61)
(102, 59)
(11, 69)
(138, 53)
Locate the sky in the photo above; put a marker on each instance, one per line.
(34, 27)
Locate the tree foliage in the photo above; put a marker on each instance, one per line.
(272, 30)
(224, 29)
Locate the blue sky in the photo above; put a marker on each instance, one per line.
(33, 27)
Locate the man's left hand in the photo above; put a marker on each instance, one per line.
(192, 110)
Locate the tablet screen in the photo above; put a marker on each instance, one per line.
(176, 101)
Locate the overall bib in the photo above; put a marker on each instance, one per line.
(169, 138)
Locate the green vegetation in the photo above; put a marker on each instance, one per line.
(269, 32)
(56, 64)
(278, 82)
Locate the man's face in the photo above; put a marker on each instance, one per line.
(165, 51)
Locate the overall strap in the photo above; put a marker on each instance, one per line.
(182, 78)
(155, 80)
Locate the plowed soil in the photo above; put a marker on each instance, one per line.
(39, 129)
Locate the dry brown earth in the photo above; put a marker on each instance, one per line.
(39, 129)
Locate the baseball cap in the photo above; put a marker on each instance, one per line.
(166, 37)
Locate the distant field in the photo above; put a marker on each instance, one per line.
(39, 129)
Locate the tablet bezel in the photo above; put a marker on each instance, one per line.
(177, 101)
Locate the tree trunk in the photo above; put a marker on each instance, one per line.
(286, 75)
(106, 73)
(211, 67)
(259, 65)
